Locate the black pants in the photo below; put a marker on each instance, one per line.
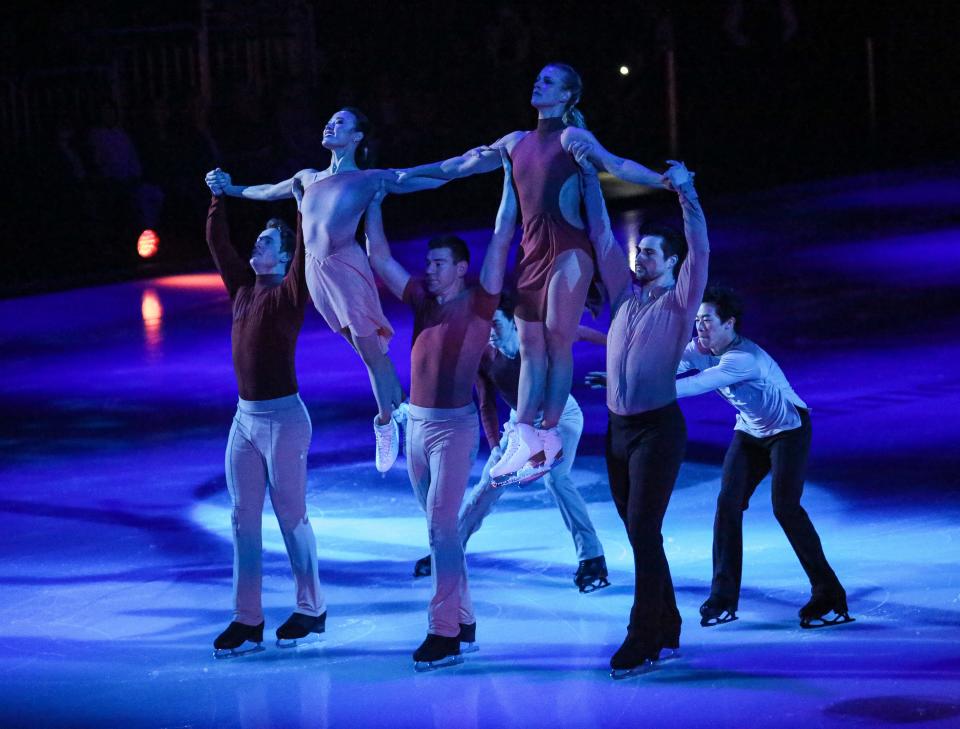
(748, 460)
(644, 453)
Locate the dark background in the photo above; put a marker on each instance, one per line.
(768, 91)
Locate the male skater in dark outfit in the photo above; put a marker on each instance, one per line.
(450, 332)
(271, 431)
(646, 437)
(772, 435)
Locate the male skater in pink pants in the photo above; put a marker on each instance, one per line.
(450, 333)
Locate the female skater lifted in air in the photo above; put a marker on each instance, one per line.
(556, 266)
(338, 274)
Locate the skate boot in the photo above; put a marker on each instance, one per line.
(468, 638)
(437, 651)
(591, 574)
(631, 659)
(388, 444)
(715, 611)
(298, 628)
(523, 445)
(422, 567)
(541, 463)
(825, 610)
(238, 640)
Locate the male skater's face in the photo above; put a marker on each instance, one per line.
(503, 329)
(442, 272)
(713, 333)
(268, 252)
(340, 131)
(650, 263)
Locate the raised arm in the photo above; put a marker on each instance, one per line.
(382, 261)
(276, 191)
(625, 169)
(611, 260)
(233, 270)
(495, 260)
(692, 279)
(473, 162)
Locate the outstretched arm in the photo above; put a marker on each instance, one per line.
(473, 162)
(382, 261)
(625, 169)
(733, 367)
(276, 191)
(495, 260)
(611, 260)
(594, 336)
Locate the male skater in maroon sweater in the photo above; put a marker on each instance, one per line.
(271, 431)
(450, 333)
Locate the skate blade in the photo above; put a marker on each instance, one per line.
(220, 653)
(668, 654)
(597, 584)
(469, 647)
(309, 639)
(424, 666)
(618, 674)
(422, 572)
(711, 622)
(826, 622)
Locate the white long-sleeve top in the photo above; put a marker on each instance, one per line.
(749, 379)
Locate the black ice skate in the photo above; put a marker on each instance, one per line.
(631, 660)
(437, 651)
(422, 567)
(822, 611)
(468, 638)
(716, 612)
(299, 628)
(238, 640)
(591, 575)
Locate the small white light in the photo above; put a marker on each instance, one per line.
(624, 70)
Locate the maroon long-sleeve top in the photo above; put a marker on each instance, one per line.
(268, 313)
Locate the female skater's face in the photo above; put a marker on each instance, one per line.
(548, 89)
(340, 131)
(712, 333)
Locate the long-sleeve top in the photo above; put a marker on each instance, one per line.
(749, 379)
(498, 373)
(647, 335)
(448, 341)
(268, 313)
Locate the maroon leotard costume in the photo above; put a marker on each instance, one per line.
(540, 167)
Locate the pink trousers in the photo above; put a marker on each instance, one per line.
(268, 445)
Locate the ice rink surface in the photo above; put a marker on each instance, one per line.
(115, 553)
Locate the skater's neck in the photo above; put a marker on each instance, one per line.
(342, 160)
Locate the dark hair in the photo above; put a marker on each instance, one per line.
(572, 82)
(508, 302)
(672, 242)
(362, 124)
(456, 245)
(288, 239)
(727, 303)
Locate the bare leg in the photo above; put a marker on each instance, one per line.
(533, 369)
(383, 376)
(566, 295)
